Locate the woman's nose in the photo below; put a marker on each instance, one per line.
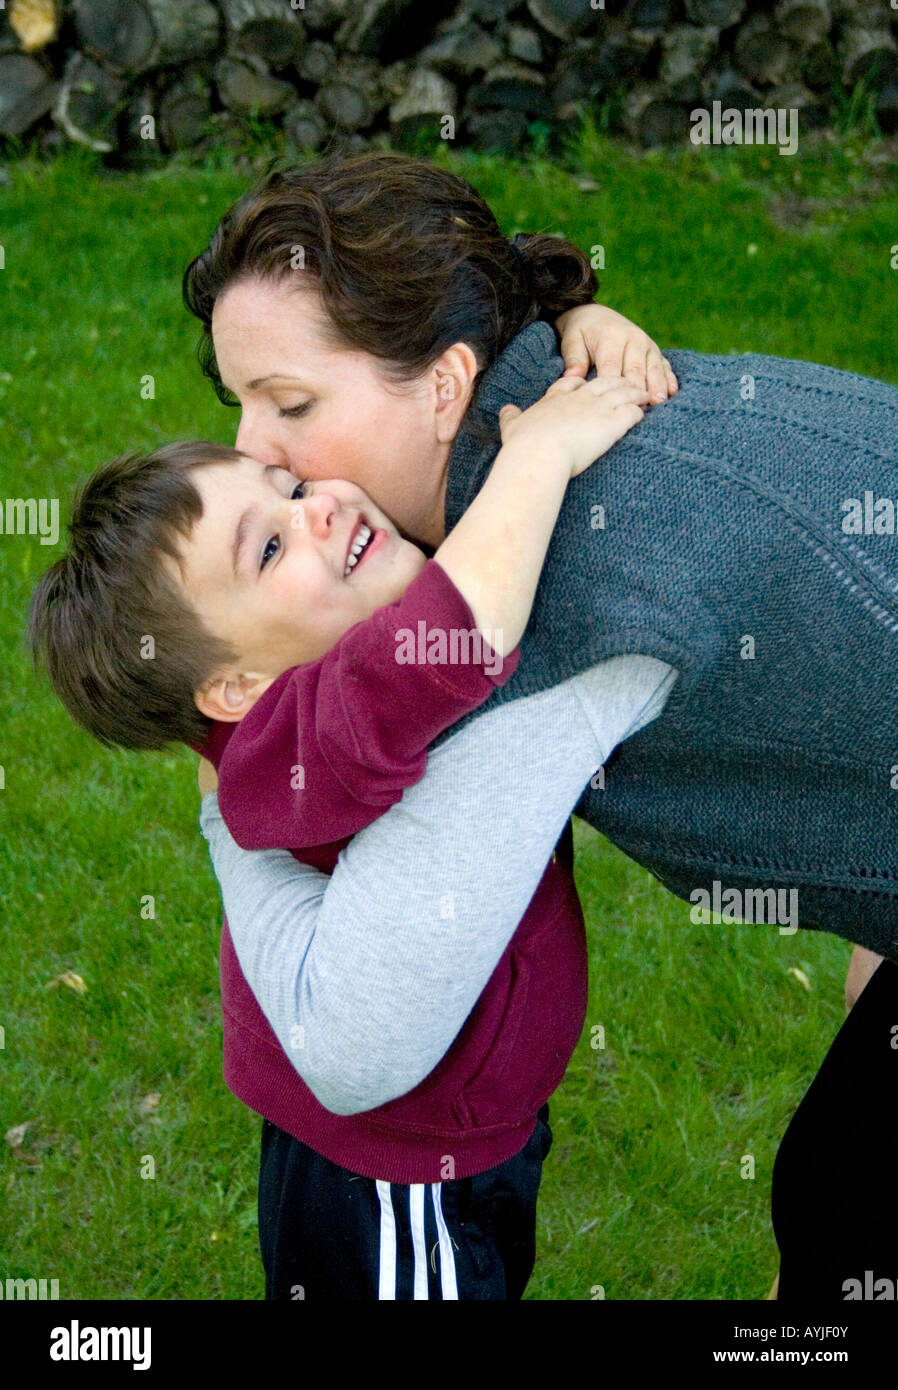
(252, 439)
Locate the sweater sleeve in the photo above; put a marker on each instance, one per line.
(367, 962)
(332, 744)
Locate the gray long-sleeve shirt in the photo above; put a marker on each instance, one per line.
(367, 975)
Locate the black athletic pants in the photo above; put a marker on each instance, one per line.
(327, 1234)
(834, 1203)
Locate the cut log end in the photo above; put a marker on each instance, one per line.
(88, 103)
(34, 22)
(185, 112)
(119, 33)
(344, 106)
(26, 93)
(651, 119)
(273, 40)
(247, 91)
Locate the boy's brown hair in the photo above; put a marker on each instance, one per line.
(124, 650)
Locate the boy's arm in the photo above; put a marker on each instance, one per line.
(332, 744)
(495, 554)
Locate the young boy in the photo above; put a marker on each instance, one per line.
(328, 653)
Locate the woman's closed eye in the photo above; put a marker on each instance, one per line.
(267, 553)
(294, 411)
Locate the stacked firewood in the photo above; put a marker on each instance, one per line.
(139, 79)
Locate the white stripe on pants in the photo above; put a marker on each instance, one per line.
(387, 1265)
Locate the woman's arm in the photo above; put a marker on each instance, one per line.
(593, 333)
(376, 968)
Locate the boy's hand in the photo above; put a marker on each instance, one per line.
(207, 777)
(593, 333)
(575, 419)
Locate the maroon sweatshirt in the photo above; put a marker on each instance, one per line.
(325, 750)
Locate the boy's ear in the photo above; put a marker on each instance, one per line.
(229, 698)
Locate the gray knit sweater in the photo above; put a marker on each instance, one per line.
(744, 533)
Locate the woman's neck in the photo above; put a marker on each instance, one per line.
(430, 528)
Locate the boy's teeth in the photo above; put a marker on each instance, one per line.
(358, 545)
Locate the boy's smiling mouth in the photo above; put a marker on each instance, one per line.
(359, 540)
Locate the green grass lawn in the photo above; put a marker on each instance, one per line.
(710, 1038)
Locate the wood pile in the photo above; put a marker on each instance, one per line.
(141, 79)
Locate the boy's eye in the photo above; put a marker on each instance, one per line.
(297, 495)
(295, 411)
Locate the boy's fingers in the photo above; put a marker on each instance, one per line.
(565, 384)
(627, 415)
(619, 389)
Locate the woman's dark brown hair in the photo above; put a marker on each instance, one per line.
(407, 258)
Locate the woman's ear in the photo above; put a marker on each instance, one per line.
(454, 374)
(229, 698)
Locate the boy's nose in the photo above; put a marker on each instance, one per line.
(320, 509)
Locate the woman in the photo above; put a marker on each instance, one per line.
(355, 311)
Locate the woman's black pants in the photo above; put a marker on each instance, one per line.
(835, 1184)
